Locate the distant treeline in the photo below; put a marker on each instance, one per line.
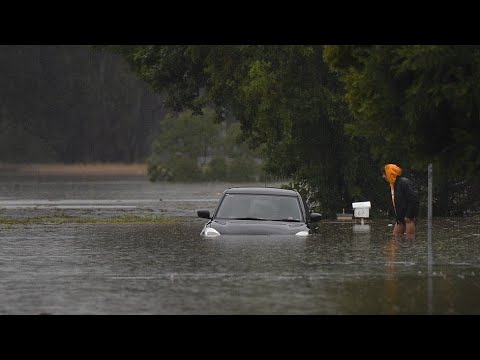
(71, 103)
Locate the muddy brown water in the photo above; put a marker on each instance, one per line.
(167, 268)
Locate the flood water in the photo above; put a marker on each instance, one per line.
(167, 268)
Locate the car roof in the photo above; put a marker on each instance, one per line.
(261, 191)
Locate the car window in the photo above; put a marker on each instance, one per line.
(269, 207)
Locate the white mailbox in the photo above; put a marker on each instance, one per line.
(361, 209)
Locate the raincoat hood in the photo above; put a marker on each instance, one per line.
(392, 171)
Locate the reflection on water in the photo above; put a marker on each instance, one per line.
(169, 269)
(391, 278)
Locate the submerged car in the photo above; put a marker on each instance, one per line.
(259, 211)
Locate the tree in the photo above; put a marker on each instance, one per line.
(286, 99)
(191, 147)
(415, 105)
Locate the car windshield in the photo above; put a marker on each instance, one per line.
(263, 207)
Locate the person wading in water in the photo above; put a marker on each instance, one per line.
(404, 200)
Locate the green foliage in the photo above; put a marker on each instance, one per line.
(242, 169)
(184, 169)
(158, 171)
(185, 143)
(415, 105)
(182, 139)
(187, 135)
(406, 104)
(216, 169)
(178, 168)
(289, 105)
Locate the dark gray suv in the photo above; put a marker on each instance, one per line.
(259, 211)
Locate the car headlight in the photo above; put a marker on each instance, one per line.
(211, 232)
(302, 233)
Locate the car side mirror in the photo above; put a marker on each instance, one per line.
(315, 217)
(204, 214)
